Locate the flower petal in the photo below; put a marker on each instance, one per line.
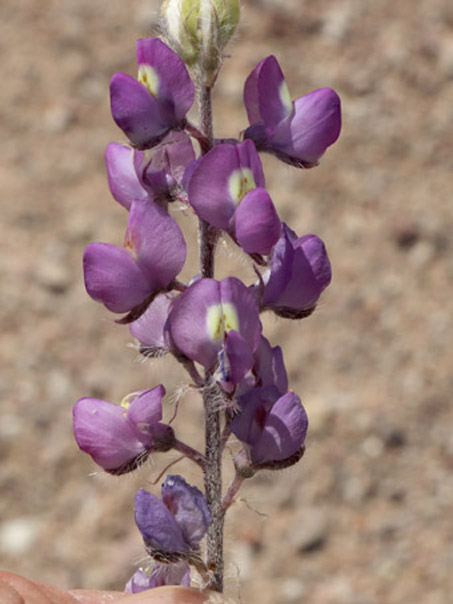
(256, 223)
(160, 531)
(136, 111)
(316, 125)
(150, 329)
(283, 432)
(269, 366)
(122, 162)
(174, 90)
(236, 295)
(188, 505)
(239, 356)
(189, 322)
(157, 242)
(266, 94)
(237, 170)
(101, 429)
(113, 277)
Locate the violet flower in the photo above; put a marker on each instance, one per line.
(151, 329)
(162, 574)
(155, 175)
(148, 108)
(123, 279)
(272, 425)
(120, 437)
(235, 200)
(172, 527)
(269, 368)
(299, 272)
(297, 132)
(213, 319)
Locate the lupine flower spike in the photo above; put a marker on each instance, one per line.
(210, 326)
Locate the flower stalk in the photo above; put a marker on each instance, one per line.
(211, 328)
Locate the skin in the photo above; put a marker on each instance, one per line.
(15, 589)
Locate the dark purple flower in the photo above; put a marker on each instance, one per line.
(155, 175)
(299, 272)
(162, 574)
(269, 368)
(297, 132)
(212, 318)
(226, 189)
(155, 252)
(148, 108)
(120, 437)
(172, 527)
(272, 425)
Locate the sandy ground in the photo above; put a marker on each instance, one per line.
(366, 518)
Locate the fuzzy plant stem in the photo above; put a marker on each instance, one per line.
(213, 452)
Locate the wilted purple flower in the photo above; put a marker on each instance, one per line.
(272, 425)
(155, 175)
(297, 132)
(213, 318)
(172, 527)
(235, 199)
(299, 272)
(148, 108)
(122, 279)
(120, 437)
(162, 574)
(151, 329)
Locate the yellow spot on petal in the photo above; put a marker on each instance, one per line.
(221, 318)
(230, 317)
(285, 98)
(126, 402)
(240, 183)
(214, 321)
(147, 76)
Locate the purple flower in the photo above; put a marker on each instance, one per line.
(155, 175)
(120, 437)
(162, 574)
(299, 272)
(214, 321)
(172, 527)
(151, 329)
(235, 199)
(272, 425)
(269, 368)
(297, 132)
(147, 109)
(122, 279)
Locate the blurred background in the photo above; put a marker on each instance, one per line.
(366, 517)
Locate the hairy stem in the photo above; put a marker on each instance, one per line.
(190, 453)
(213, 453)
(213, 484)
(233, 489)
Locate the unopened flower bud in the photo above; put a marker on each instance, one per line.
(200, 29)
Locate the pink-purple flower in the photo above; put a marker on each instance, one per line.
(120, 437)
(235, 200)
(155, 174)
(272, 425)
(216, 324)
(299, 272)
(297, 132)
(148, 108)
(122, 278)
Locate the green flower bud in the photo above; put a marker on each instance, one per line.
(200, 29)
